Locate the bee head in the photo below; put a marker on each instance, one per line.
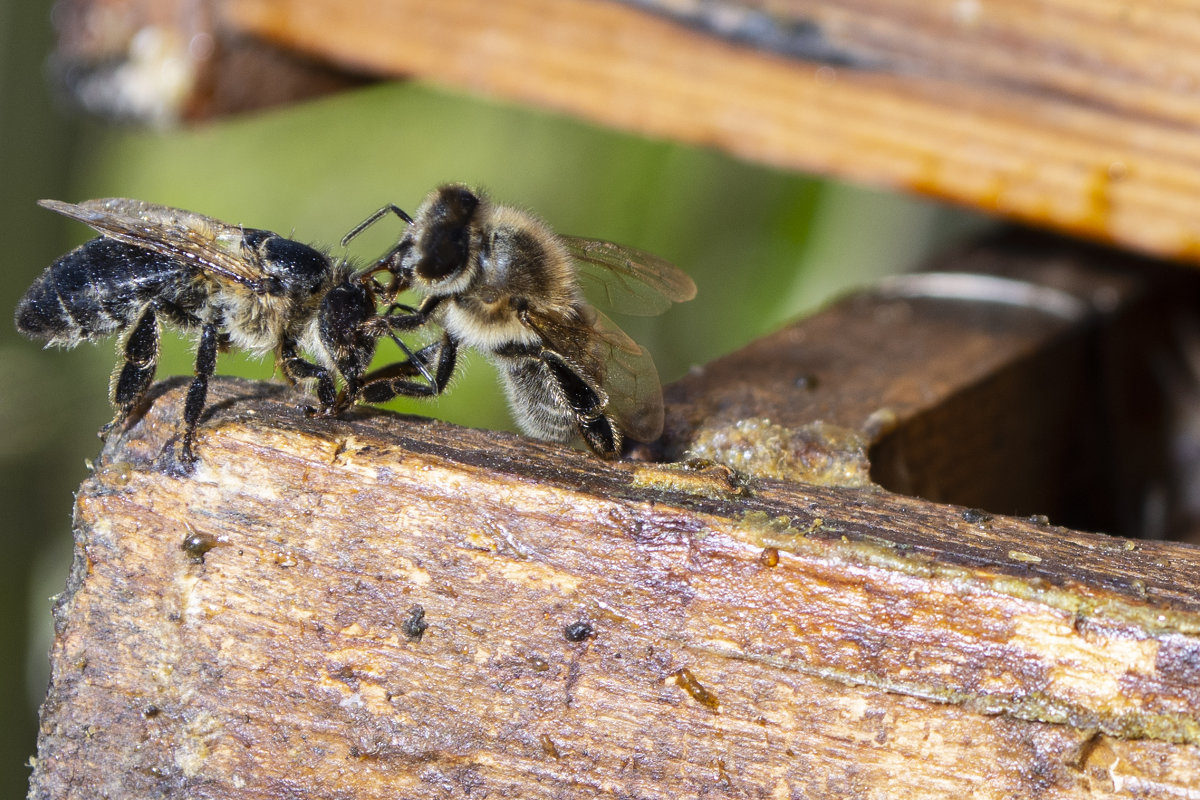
(437, 249)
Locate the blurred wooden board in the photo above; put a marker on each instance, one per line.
(640, 629)
(1079, 117)
(156, 62)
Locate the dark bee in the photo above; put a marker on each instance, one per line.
(497, 279)
(238, 287)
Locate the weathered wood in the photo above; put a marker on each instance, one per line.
(248, 631)
(632, 628)
(1075, 116)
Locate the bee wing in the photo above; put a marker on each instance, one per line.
(626, 279)
(211, 245)
(621, 367)
(634, 392)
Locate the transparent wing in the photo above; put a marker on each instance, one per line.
(615, 363)
(211, 245)
(626, 279)
(631, 382)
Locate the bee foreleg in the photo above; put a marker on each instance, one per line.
(410, 319)
(413, 318)
(397, 380)
(296, 369)
(587, 401)
(135, 372)
(206, 364)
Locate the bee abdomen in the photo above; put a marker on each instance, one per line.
(537, 408)
(95, 290)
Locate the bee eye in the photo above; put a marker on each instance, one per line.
(446, 252)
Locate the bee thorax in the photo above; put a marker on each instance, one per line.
(486, 328)
(255, 322)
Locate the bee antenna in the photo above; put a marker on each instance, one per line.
(390, 208)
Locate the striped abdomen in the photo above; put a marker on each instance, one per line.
(537, 407)
(100, 288)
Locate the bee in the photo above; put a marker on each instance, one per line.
(499, 280)
(237, 287)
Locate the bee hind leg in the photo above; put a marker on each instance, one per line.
(135, 372)
(601, 435)
(587, 402)
(206, 364)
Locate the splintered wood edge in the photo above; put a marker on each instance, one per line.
(270, 595)
(1028, 137)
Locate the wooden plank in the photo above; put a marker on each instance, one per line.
(249, 631)
(630, 628)
(1074, 116)
(1032, 382)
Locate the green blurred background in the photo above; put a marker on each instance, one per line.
(763, 246)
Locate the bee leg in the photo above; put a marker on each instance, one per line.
(412, 318)
(587, 402)
(399, 375)
(398, 380)
(296, 369)
(136, 370)
(206, 364)
(601, 435)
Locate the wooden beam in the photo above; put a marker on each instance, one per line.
(1065, 115)
(382, 604)
(1078, 117)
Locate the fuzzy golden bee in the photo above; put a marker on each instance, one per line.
(499, 280)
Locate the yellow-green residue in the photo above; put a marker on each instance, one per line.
(818, 453)
(696, 476)
(1034, 706)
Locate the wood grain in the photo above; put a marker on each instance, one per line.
(382, 605)
(799, 640)
(1073, 116)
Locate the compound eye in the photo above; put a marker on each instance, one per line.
(446, 252)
